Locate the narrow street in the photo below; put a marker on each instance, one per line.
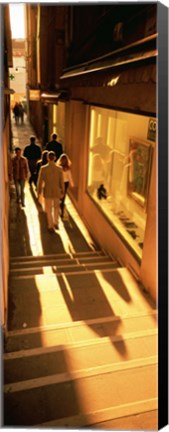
(81, 347)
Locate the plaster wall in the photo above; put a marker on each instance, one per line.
(4, 227)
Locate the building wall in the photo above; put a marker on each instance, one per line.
(4, 168)
(126, 88)
(77, 145)
(52, 45)
(4, 222)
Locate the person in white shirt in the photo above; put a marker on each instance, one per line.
(65, 163)
(50, 181)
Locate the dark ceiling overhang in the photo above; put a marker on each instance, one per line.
(140, 52)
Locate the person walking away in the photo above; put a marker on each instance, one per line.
(39, 163)
(55, 146)
(33, 153)
(65, 163)
(16, 113)
(21, 112)
(50, 180)
(20, 173)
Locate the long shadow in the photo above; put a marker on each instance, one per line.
(115, 280)
(24, 304)
(53, 401)
(78, 241)
(51, 243)
(86, 300)
(19, 240)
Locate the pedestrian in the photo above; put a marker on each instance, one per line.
(40, 162)
(50, 181)
(33, 153)
(20, 171)
(65, 163)
(16, 113)
(55, 146)
(21, 112)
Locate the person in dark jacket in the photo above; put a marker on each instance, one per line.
(32, 152)
(21, 112)
(16, 113)
(55, 146)
(20, 173)
(40, 162)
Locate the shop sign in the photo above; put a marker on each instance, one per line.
(152, 129)
(34, 95)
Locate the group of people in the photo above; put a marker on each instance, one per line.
(49, 170)
(18, 112)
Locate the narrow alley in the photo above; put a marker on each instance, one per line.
(82, 332)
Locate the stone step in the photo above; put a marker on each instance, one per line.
(53, 268)
(95, 259)
(30, 258)
(48, 262)
(125, 418)
(80, 332)
(83, 393)
(57, 298)
(56, 256)
(40, 362)
(59, 262)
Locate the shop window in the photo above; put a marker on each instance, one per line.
(119, 169)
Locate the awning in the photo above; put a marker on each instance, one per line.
(133, 88)
(107, 65)
(8, 91)
(54, 97)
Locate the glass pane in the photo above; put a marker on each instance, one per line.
(119, 170)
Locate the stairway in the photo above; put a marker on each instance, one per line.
(81, 348)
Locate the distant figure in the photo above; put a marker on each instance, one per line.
(50, 181)
(16, 113)
(55, 146)
(65, 163)
(20, 172)
(21, 112)
(40, 162)
(33, 153)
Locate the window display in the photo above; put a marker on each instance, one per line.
(119, 170)
(139, 170)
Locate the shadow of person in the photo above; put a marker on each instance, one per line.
(125, 291)
(86, 301)
(19, 239)
(24, 303)
(51, 243)
(116, 282)
(77, 239)
(63, 398)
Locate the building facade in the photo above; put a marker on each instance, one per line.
(96, 72)
(18, 71)
(5, 162)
